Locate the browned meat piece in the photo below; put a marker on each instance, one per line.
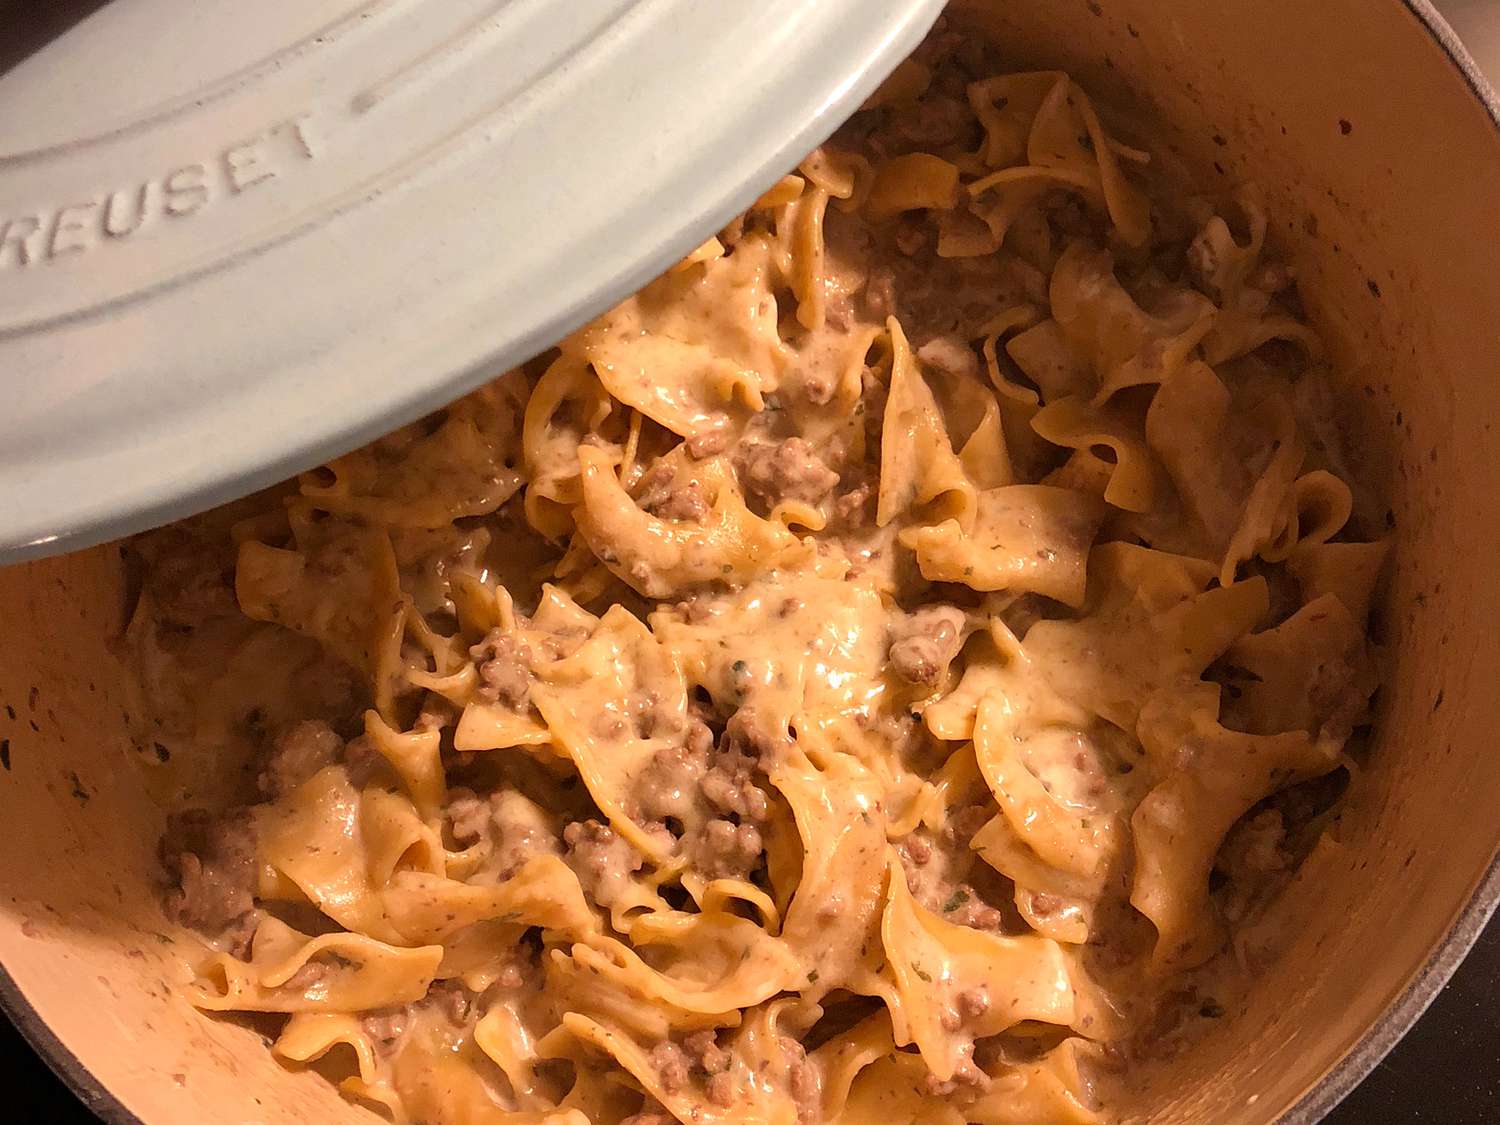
(963, 824)
(450, 998)
(788, 470)
(362, 760)
(972, 1003)
(1255, 849)
(853, 508)
(727, 850)
(386, 1027)
(731, 235)
(803, 1080)
(668, 786)
(301, 751)
(504, 669)
(966, 1075)
(925, 643)
(513, 828)
(468, 816)
(966, 908)
(693, 777)
(947, 297)
(672, 1066)
(938, 870)
(745, 735)
(711, 1061)
(819, 384)
(915, 850)
(721, 1089)
(702, 1047)
(939, 119)
(212, 862)
(697, 1057)
(709, 442)
(1340, 695)
(305, 977)
(668, 497)
(729, 785)
(190, 576)
(602, 859)
(699, 739)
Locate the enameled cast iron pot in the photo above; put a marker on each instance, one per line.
(1379, 149)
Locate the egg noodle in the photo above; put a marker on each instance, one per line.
(856, 679)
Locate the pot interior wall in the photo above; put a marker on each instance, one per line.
(81, 936)
(1355, 122)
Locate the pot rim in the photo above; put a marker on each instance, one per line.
(1377, 1041)
(68, 1067)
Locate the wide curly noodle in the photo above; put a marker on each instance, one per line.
(822, 688)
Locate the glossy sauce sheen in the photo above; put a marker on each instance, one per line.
(879, 672)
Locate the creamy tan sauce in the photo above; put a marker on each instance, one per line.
(870, 675)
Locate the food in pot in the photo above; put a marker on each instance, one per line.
(874, 671)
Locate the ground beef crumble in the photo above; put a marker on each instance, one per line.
(510, 827)
(727, 850)
(788, 470)
(939, 870)
(504, 669)
(301, 751)
(704, 794)
(666, 495)
(386, 1027)
(211, 862)
(602, 859)
(925, 643)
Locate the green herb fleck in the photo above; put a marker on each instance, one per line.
(921, 975)
(1211, 1010)
(812, 977)
(960, 897)
(739, 677)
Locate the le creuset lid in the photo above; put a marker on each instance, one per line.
(236, 238)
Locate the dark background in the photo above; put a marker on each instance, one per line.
(1447, 1071)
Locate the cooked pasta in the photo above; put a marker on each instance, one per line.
(866, 676)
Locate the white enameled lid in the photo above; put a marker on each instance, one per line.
(238, 238)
